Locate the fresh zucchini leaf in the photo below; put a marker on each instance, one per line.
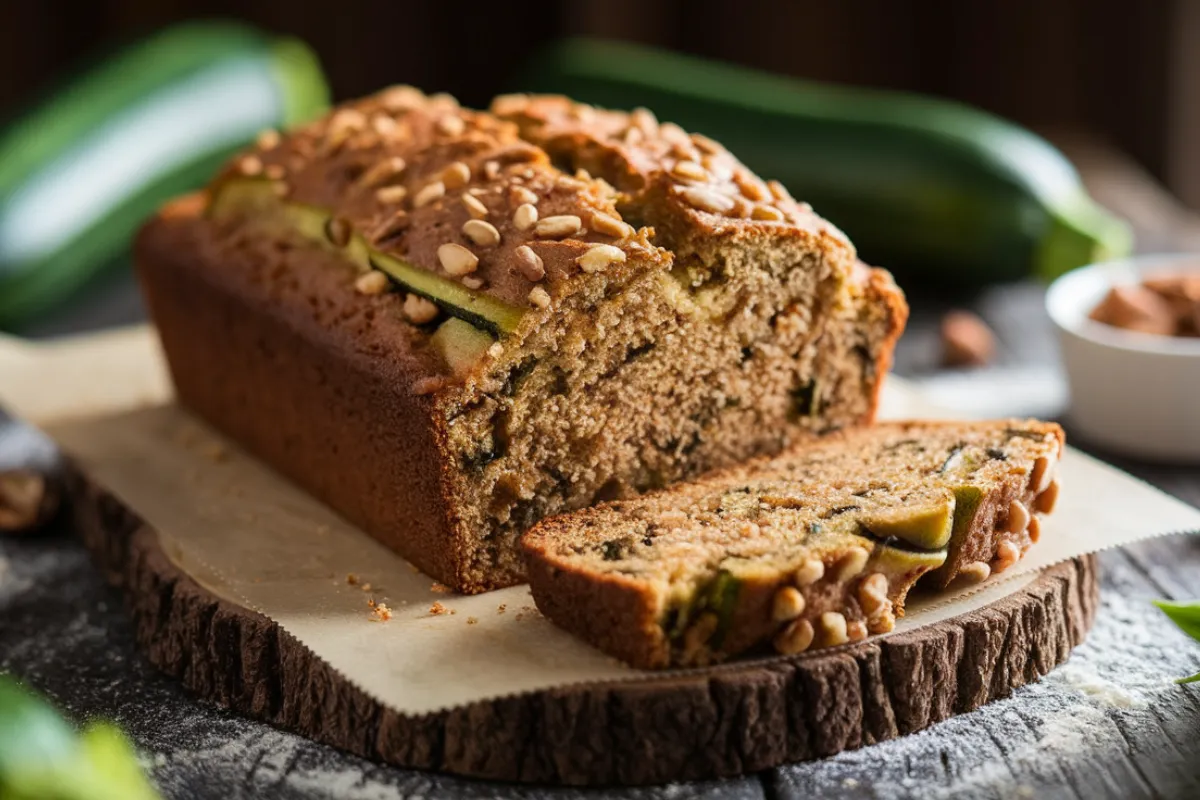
(1185, 615)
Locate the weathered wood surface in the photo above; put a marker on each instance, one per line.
(714, 724)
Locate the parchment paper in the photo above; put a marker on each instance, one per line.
(254, 539)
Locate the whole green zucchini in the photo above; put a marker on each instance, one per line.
(81, 171)
(930, 188)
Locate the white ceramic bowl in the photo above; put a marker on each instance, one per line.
(1135, 393)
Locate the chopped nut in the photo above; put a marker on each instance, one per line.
(491, 170)
(525, 217)
(779, 192)
(703, 199)
(582, 174)
(872, 593)
(1136, 308)
(856, 630)
(706, 144)
(851, 563)
(810, 572)
(1046, 501)
(418, 310)
(766, 213)
(1007, 554)
(787, 605)
(644, 120)
(967, 341)
(539, 297)
(456, 259)
(795, 638)
(557, 227)
(473, 282)
(456, 175)
(1018, 517)
(975, 572)
(267, 139)
(609, 225)
(1043, 474)
(750, 187)
(530, 263)
(385, 170)
(883, 620)
(481, 233)
(250, 165)
(599, 256)
(1035, 529)
(475, 206)
(833, 629)
(520, 194)
(430, 192)
(389, 195)
(371, 283)
(689, 171)
(451, 125)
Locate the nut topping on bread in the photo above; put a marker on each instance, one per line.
(707, 570)
(581, 305)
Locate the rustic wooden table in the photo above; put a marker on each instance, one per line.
(1108, 724)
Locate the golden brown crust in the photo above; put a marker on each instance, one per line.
(414, 173)
(313, 379)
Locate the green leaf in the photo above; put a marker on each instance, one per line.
(1185, 615)
(1191, 679)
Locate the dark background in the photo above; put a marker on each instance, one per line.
(1127, 73)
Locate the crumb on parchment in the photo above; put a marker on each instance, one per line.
(472, 620)
(440, 588)
(437, 610)
(352, 579)
(379, 611)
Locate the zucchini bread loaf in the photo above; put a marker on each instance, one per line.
(812, 548)
(448, 324)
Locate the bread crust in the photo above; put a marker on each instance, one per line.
(268, 340)
(314, 380)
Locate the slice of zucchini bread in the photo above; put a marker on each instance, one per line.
(812, 548)
(448, 324)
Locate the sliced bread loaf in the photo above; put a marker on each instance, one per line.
(448, 324)
(812, 548)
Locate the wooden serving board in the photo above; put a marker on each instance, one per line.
(707, 724)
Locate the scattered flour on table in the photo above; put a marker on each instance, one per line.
(1118, 683)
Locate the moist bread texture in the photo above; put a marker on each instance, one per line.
(448, 324)
(812, 548)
